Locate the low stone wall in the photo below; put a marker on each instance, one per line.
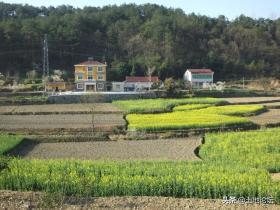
(98, 97)
(27, 93)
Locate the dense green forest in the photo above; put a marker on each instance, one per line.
(135, 40)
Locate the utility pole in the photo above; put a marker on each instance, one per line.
(46, 70)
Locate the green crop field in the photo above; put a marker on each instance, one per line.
(188, 107)
(161, 105)
(234, 164)
(8, 142)
(211, 117)
(256, 149)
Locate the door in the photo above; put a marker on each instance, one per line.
(91, 88)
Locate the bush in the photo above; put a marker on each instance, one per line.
(173, 87)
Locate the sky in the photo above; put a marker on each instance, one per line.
(213, 8)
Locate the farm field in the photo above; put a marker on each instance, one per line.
(241, 169)
(210, 117)
(169, 149)
(161, 105)
(247, 100)
(58, 122)
(231, 163)
(98, 108)
(8, 142)
(270, 118)
(27, 200)
(271, 105)
(256, 149)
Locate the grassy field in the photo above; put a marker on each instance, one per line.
(8, 142)
(211, 117)
(234, 164)
(161, 105)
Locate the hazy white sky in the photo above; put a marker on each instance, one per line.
(213, 8)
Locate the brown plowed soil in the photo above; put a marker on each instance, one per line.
(269, 118)
(98, 108)
(61, 121)
(247, 100)
(170, 149)
(29, 200)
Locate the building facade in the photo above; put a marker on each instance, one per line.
(134, 84)
(139, 83)
(199, 78)
(55, 86)
(117, 87)
(90, 76)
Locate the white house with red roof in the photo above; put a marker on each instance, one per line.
(137, 84)
(199, 78)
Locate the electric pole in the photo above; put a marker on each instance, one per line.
(46, 70)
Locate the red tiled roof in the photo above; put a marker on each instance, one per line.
(93, 63)
(200, 71)
(141, 79)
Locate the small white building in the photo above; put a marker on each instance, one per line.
(139, 83)
(118, 86)
(199, 78)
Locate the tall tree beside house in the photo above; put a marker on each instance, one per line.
(138, 39)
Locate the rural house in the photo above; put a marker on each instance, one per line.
(90, 76)
(56, 86)
(139, 83)
(132, 84)
(199, 78)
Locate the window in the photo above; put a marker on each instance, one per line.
(202, 76)
(80, 86)
(100, 69)
(90, 77)
(80, 76)
(100, 86)
(100, 77)
(90, 69)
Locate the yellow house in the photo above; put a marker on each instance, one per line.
(90, 76)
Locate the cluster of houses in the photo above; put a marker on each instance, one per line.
(91, 76)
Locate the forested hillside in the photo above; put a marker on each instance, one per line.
(134, 39)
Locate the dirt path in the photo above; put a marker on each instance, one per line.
(269, 118)
(171, 149)
(31, 200)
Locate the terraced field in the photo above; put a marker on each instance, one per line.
(98, 108)
(60, 122)
(254, 100)
(60, 118)
(169, 149)
(267, 119)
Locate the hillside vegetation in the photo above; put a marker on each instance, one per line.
(134, 38)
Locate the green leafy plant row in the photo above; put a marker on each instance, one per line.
(233, 164)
